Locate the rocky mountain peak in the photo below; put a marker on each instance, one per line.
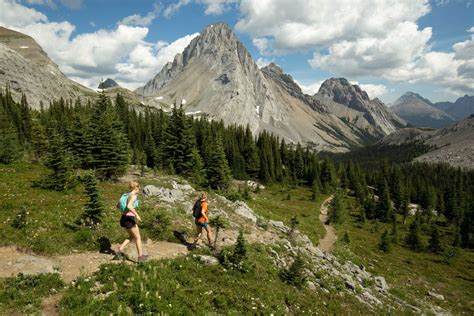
(108, 83)
(24, 45)
(341, 91)
(411, 97)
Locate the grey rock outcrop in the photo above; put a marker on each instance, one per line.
(460, 109)
(242, 209)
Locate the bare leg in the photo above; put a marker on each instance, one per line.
(209, 235)
(198, 235)
(127, 241)
(137, 238)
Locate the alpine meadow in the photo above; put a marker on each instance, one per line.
(240, 157)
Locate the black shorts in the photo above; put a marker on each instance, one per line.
(127, 222)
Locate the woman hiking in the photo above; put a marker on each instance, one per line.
(202, 219)
(129, 222)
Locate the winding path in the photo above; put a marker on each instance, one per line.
(326, 244)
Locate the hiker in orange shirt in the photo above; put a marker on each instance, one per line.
(200, 213)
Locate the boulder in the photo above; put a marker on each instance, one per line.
(163, 194)
(208, 260)
(243, 210)
(436, 295)
(279, 225)
(254, 185)
(183, 187)
(380, 283)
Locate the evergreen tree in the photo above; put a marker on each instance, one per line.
(39, 140)
(92, 216)
(337, 209)
(109, 150)
(295, 275)
(394, 231)
(384, 206)
(413, 238)
(10, 149)
(218, 172)
(384, 243)
(434, 243)
(58, 160)
(196, 172)
(25, 119)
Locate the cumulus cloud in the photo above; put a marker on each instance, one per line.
(141, 20)
(121, 53)
(175, 7)
(262, 62)
(359, 38)
(213, 7)
(373, 90)
(311, 88)
(72, 4)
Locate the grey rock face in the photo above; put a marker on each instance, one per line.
(243, 210)
(436, 295)
(381, 283)
(165, 195)
(208, 260)
(462, 108)
(26, 68)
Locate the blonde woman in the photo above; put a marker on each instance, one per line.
(129, 222)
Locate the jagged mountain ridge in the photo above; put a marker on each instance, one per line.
(108, 83)
(420, 112)
(460, 109)
(352, 104)
(217, 77)
(27, 69)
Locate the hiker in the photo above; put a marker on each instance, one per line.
(129, 222)
(200, 213)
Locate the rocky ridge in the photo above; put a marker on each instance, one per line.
(27, 69)
(368, 115)
(460, 109)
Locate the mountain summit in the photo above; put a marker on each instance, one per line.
(217, 77)
(420, 112)
(369, 115)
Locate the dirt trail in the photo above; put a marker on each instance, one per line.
(326, 244)
(14, 261)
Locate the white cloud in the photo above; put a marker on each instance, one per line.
(312, 88)
(262, 62)
(73, 4)
(372, 56)
(121, 53)
(175, 7)
(213, 7)
(146, 60)
(373, 90)
(49, 3)
(139, 20)
(359, 38)
(217, 7)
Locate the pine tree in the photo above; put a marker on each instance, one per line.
(10, 149)
(295, 275)
(58, 160)
(92, 216)
(337, 212)
(39, 140)
(109, 150)
(25, 116)
(413, 238)
(394, 231)
(384, 243)
(384, 206)
(218, 171)
(434, 243)
(196, 172)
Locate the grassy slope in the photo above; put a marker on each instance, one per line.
(411, 274)
(272, 203)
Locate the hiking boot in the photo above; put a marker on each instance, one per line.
(142, 258)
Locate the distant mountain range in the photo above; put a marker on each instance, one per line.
(420, 112)
(215, 77)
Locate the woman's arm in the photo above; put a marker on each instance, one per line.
(130, 207)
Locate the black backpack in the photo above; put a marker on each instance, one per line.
(197, 209)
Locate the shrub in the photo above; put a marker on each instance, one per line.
(294, 275)
(237, 258)
(384, 243)
(21, 219)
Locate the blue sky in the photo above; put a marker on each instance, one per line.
(388, 47)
